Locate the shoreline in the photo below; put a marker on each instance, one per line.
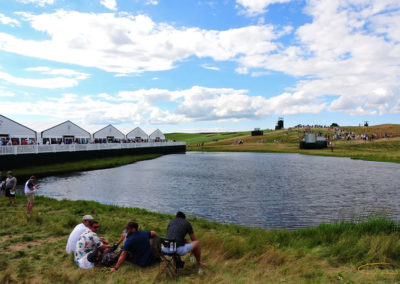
(42, 171)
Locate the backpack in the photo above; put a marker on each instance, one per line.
(109, 258)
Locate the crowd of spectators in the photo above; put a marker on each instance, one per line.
(16, 141)
(68, 141)
(351, 135)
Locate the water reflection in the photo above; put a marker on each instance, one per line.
(253, 189)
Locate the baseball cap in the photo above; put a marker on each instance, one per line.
(87, 217)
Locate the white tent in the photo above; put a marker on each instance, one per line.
(157, 136)
(11, 130)
(109, 133)
(137, 134)
(66, 132)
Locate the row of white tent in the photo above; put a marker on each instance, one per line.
(70, 132)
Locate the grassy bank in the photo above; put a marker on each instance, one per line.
(287, 141)
(81, 165)
(33, 248)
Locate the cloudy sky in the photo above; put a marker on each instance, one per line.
(200, 65)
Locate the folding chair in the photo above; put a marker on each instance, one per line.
(169, 257)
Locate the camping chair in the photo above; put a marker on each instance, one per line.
(171, 260)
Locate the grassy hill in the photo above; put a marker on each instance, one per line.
(287, 140)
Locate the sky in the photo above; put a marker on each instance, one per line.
(201, 65)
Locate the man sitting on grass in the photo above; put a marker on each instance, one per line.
(177, 229)
(76, 233)
(137, 246)
(89, 246)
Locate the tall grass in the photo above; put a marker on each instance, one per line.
(32, 248)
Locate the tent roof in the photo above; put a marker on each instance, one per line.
(18, 128)
(137, 132)
(81, 130)
(157, 133)
(112, 130)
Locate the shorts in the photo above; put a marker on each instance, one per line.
(182, 250)
(84, 263)
(31, 197)
(8, 193)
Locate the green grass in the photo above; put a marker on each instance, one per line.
(287, 141)
(81, 165)
(33, 248)
(196, 138)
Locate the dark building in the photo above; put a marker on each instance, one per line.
(257, 132)
(279, 125)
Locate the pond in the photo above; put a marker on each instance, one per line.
(264, 190)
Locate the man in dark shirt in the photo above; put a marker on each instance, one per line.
(137, 244)
(177, 229)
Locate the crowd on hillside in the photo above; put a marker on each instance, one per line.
(351, 135)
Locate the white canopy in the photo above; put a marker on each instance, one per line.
(13, 129)
(157, 135)
(107, 132)
(66, 128)
(137, 133)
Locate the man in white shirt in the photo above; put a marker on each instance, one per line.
(76, 233)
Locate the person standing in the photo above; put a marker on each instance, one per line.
(2, 182)
(76, 233)
(11, 183)
(30, 190)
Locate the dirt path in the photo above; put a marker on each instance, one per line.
(26, 245)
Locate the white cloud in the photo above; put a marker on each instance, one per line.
(346, 57)
(41, 3)
(63, 72)
(63, 78)
(151, 2)
(209, 67)
(145, 106)
(109, 4)
(256, 7)
(125, 44)
(48, 83)
(4, 93)
(9, 21)
(348, 51)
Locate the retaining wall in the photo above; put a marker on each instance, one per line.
(9, 162)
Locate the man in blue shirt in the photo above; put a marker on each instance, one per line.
(137, 245)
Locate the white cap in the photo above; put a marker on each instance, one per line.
(87, 217)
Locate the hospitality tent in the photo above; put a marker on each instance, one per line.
(157, 136)
(12, 132)
(108, 134)
(137, 135)
(67, 133)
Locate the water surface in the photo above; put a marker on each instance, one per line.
(264, 190)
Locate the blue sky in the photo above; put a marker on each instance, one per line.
(199, 66)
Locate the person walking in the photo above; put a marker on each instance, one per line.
(30, 190)
(11, 183)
